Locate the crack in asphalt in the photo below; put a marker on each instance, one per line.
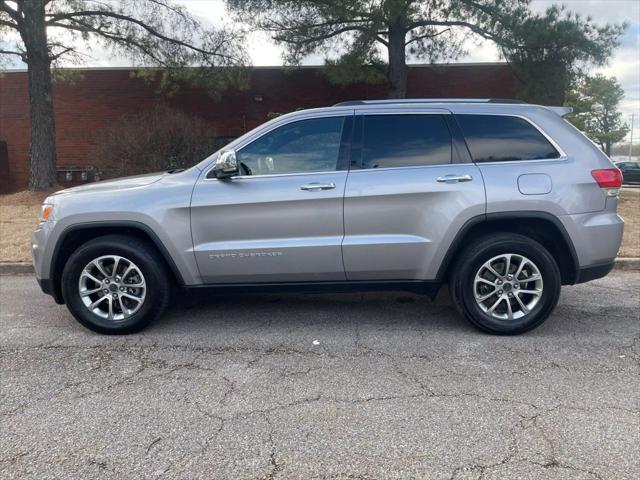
(104, 354)
(513, 456)
(275, 466)
(251, 386)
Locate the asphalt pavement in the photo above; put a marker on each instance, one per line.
(346, 386)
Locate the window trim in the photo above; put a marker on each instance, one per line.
(340, 167)
(562, 155)
(358, 137)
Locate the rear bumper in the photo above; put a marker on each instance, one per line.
(596, 238)
(47, 286)
(592, 272)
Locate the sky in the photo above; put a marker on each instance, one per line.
(624, 65)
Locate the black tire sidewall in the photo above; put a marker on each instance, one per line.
(483, 251)
(140, 254)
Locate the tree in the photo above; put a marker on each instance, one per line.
(595, 110)
(150, 32)
(548, 52)
(358, 30)
(433, 30)
(161, 138)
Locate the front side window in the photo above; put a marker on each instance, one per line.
(304, 146)
(500, 138)
(405, 140)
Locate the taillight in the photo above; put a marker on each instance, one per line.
(609, 178)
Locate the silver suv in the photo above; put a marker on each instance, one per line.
(505, 201)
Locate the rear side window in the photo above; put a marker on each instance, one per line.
(405, 140)
(498, 138)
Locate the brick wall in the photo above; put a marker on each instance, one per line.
(99, 97)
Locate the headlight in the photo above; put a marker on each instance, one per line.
(45, 212)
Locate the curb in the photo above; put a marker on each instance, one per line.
(26, 268)
(629, 263)
(16, 268)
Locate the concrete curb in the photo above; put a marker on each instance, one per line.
(26, 268)
(628, 263)
(16, 268)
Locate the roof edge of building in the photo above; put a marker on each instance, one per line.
(261, 67)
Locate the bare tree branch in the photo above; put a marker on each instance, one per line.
(12, 52)
(382, 40)
(72, 16)
(319, 38)
(55, 56)
(427, 35)
(454, 23)
(83, 27)
(4, 7)
(6, 23)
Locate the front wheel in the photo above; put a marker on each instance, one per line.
(505, 284)
(115, 284)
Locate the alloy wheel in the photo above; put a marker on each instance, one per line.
(508, 286)
(112, 287)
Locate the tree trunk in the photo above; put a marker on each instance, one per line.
(397, 74)
(43, 134)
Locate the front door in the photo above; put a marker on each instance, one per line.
(281, 218)
(411, 188)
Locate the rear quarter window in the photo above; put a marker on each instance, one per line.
(501, 138)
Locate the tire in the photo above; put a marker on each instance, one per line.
(131, 299)
(519, 304)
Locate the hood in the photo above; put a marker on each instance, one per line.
(116, 184)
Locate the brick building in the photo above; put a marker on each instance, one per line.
(101, 96)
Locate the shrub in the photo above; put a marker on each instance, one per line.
(159, 139)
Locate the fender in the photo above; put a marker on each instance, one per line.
(52, 285)
(512, 215)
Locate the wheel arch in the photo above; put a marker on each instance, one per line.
(76, 235)
(542, 227)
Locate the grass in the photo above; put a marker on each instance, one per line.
(19, 217)
(19, 214)
(629, 210)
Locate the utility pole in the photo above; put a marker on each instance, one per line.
(631, 139)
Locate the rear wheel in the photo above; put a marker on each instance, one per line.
(505, 284)
(115, 284)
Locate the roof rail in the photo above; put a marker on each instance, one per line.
(396, 101)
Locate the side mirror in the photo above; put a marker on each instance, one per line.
(226, 165)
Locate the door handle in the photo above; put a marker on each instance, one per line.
(454, 178)
(312, 187)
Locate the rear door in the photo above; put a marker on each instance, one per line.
(411, 188)
(281, 219)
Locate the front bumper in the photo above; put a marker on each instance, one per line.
(47, 286)
(42, 260)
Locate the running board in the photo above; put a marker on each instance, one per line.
(424, 287)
